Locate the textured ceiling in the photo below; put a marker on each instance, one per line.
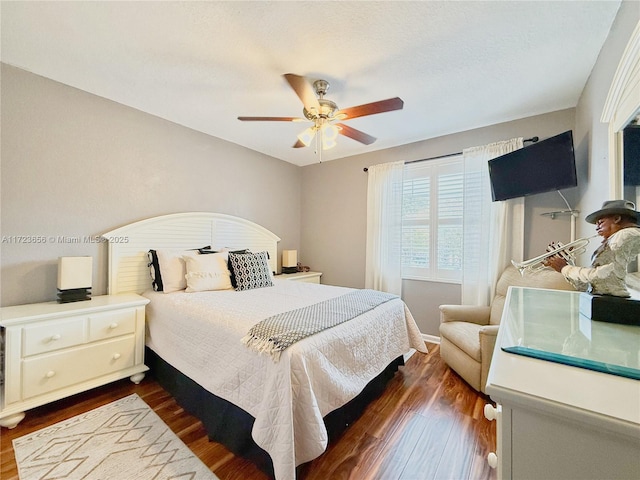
(457, 65)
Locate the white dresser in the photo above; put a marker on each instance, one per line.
(54, 350)
(555, 420)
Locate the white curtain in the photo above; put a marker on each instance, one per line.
(493, 232)
(384, 228)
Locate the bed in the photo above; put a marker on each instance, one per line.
(278, 407)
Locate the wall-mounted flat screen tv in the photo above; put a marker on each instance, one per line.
(541, 167)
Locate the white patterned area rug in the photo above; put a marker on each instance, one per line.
(123, 440)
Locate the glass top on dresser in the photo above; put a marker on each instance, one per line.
(547, 324)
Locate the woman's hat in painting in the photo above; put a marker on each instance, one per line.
(615, 207)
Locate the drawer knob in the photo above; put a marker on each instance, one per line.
(113, 325)
(490, 412)
(492, 460)
(55, 337)
(116, 356)
(50, 374)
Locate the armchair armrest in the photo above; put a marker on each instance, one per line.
(487, 344)
(465, 313)
(488, 336)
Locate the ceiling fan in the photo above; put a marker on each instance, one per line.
(324, 114)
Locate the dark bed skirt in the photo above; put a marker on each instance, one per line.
(231, 426)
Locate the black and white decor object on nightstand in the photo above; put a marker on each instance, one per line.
(289, 261)
(74, 279)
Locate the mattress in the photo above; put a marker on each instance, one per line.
(200, 335)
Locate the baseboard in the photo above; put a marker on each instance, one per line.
(408, 355)
(431, 338)
(426, 338)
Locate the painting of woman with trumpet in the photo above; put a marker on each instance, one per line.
(618, 223)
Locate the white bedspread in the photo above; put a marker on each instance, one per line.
(199, 334)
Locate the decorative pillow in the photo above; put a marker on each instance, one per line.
(154, 270)
(233, 275)
(251, 270)
(171, 269)
(207, 272)
(239, 252)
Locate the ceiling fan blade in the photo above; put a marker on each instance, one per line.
(372, 108)
(298, 144)
(304, 91)
(271, 119)
(357, 135)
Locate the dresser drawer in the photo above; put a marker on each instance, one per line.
(112, 324)
(58, 370)
(51, 336)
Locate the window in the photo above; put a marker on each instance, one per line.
(432, 220)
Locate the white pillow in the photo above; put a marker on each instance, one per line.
(173, 268)
(207, 272)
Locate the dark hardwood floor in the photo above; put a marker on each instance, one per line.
(428, 424)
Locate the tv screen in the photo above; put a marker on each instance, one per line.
(631, 139)
(544, 166)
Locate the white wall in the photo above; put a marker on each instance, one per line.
(74, 165)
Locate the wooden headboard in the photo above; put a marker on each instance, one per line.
(127, 261)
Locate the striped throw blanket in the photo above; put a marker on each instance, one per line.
(274, 334)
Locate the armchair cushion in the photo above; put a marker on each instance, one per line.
(465, 335)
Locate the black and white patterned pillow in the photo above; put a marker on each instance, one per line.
(230, 267)
(251, 270)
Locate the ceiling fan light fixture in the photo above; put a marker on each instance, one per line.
(328, 144)
(307, 136)
(329, 135)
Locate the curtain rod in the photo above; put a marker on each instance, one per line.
(532, 139)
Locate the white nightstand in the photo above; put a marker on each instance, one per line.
(309, 277)
(54, 350)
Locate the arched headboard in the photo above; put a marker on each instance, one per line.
(127, 261)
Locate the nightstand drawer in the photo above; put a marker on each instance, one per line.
(314, 279)
(308, 277)
(111, 324)
(51, 336)
(58, 370)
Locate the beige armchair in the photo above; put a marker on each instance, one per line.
(468, 332)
